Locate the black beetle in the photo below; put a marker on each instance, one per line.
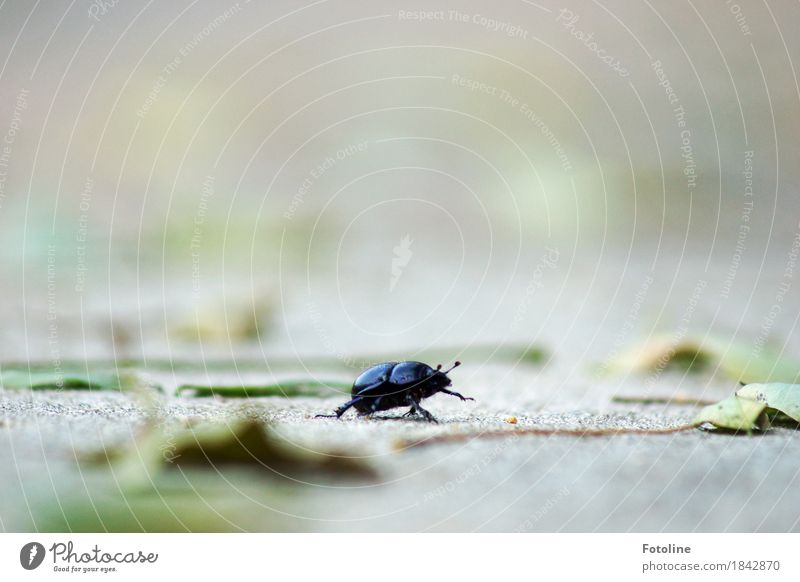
(396, 384)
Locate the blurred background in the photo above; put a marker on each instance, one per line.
(206, 198)
(205, 179)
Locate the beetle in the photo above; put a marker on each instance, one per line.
(396, 384)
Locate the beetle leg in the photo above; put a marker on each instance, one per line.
(411, 412)
(373, 406)
(376, 403)
(451, 393)
(344, 407)
(415, 407)
(426, 415)
(339, 411)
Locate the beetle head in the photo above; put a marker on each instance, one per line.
(443, 375)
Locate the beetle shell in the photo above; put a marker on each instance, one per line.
(370, 376)
(410, 373)
(397, 384)
(391, 384)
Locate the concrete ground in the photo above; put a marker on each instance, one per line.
(686, 481)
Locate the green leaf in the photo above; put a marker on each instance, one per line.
(352, 364)
(169, 501)
(210, 446)
(782, 397)
(285, 388)
(737, 360)
(48, 380)
(481, 352)
(734, 413)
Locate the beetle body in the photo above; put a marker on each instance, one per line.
(397, 384)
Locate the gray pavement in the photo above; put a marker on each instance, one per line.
(686, 481)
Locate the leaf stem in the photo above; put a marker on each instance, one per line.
(661, 400)
(505, 433)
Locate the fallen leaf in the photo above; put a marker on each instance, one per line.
(224, 319)
(188, 501)
(45, 380)
(737, 360)
(244, 443)
(734, 413)
(782, 397)
(286, 388)
(530, 354)
(676, 400)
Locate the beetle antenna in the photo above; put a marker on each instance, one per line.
(438, 367)
(456, 365)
